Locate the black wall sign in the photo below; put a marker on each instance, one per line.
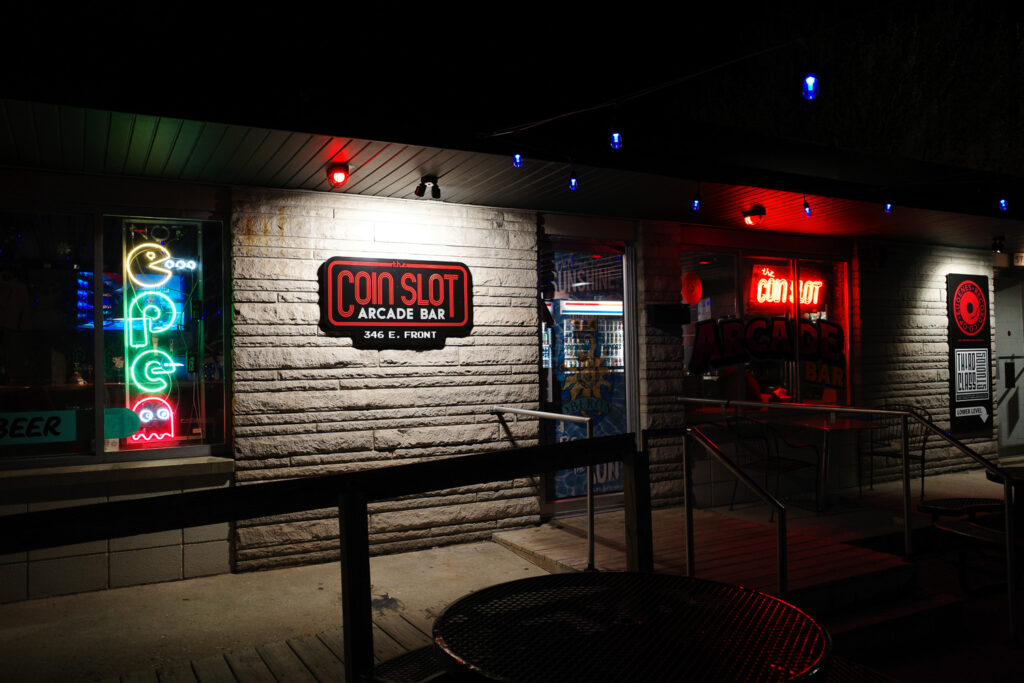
(391, 304)
(970, 341)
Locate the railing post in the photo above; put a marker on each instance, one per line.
(637, 498)
(1011, 557)
(908, 549)
(590, 505)
(356, 616)
(782, 554)
(691, 563)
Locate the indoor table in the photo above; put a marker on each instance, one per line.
(615, 626)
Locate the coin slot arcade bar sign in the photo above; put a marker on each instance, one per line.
(393, 304)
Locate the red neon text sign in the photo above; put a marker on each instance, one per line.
(766, 288)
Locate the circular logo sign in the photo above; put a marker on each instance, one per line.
(969, 308)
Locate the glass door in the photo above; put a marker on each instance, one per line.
(583, 341)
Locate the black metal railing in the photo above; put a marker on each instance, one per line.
(905, 416)
(350, 493)
(500, 411)
(711, 448)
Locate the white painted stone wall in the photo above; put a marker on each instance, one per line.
(307, 404)
(902, 343)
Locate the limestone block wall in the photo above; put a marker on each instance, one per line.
(306, 403)
(660, 355)
(900, 347)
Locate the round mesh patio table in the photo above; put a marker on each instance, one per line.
(612, 626)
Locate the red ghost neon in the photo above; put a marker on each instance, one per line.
(157, 417)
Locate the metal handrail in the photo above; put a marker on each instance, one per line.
(712, 448)
(905, 415)
(498, 410)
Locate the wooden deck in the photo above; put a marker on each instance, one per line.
(727, 549)
(304, 659)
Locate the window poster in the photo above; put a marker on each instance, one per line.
(970, 343)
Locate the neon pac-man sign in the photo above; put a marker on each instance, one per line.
(151, 318)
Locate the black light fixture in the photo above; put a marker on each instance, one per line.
(754, 215)
(998, 244)
(435, 189)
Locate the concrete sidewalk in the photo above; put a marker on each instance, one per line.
(96, 636)
(102, 635)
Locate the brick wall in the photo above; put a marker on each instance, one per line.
(306, 403)
(901, 343)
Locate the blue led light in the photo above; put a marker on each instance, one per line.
(887, 207)
(517, 160)
(807, 209)
(810, 86)
(696, 203)
(1003, 206)
(574, 182)
(616, 141)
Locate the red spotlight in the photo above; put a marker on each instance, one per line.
(337, 174)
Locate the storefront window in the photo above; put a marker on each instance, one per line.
(48, 365)
(166, 349)
(765, 328)
(160, 364)
(582, 348)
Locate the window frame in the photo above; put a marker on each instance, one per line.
(15, 468)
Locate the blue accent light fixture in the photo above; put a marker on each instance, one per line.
(810, 86)
(887, 207)
(574, 181)
(807, 208)
(517, 160)
(616, 141)
(1003, 206)
(696, 199)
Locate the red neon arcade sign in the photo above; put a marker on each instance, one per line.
(768, 287)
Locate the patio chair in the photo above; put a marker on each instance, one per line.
(886, 441)
(767, 456)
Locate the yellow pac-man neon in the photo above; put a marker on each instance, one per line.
(149, 258)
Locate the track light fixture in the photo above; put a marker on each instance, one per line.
(754, 215)
(517, 160)
(807, 207)
(695, 205)
(337, 174)
(887, 207)
(574, 180)
(435, 189)
(998, 244)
